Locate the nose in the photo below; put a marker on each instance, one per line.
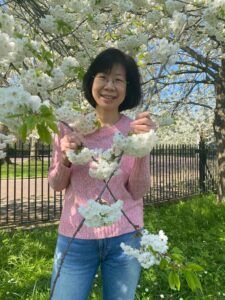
(110, 84)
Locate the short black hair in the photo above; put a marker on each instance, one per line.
(104, 62)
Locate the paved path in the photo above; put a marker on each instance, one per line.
(28, 200)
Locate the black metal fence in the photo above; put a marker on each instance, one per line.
(25, 195)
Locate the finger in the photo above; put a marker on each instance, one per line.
(80, 136)
(144, 114)
(69, 146)
(144, 121)
(141, 128)
(76, 138)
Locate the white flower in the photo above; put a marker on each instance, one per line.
(178, 21)
(35, 103)
(165, 120)
(86, 124)
(165, 51)
(58, 76)
(174, 5)
(102, 169)
(48, 23)
(15, 100)
(7, 23)
(68, 65)
(80, 157)
(2, 154)
(7, 47)
(97, 215)
(137, 145)
(152, 247)
(66, 113)
(4, 140)
(36, 82)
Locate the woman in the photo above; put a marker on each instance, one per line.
(111, 85)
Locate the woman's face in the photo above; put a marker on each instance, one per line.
(109, 89)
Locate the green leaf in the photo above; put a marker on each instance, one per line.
(80, 73)
(176, 250)
(97, 123)
(194, 267)
(192, 280)
(174, 280)
(23, 132)
(163, 263)
(14, 116)
(53, 126)
(31, 122)
(18, 35)
(63, 27)
(177, 257)
(45, 111)
(44, 133)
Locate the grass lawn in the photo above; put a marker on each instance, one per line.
(29, 169)
(196, 226)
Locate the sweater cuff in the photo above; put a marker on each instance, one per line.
(61, 171)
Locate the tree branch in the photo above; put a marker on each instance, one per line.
(200, 58)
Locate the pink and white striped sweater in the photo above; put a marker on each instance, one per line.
(130, 185)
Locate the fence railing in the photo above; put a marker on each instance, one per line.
(25, 195)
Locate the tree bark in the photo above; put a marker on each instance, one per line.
(219, 130)
(4, 130)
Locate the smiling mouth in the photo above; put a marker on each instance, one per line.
(108, 97)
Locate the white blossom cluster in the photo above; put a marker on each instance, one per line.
(165, 51)
(97, 214)
(80, 157)
(4, 140)
(49, 24)
(68, 65)
(103, 168)
(137, 145)
(38, 82)
(174, 5)
(86, 123)
(7, 23)
(7, 48)
(72, 94)
(152, 247)
(186, 128)
(165, 119)
(177, 22)
(66, 112)
(16, 100)
(132, 42)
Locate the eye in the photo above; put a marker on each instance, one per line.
(101, 76)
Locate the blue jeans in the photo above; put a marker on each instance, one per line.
(120, 272)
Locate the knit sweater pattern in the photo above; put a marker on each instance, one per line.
(129, 185)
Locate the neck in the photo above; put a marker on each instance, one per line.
(108, 118)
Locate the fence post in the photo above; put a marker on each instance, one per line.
(202, 165)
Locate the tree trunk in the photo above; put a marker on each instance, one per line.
(4, 130)
(219, 130)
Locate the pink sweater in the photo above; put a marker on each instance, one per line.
(129, 185)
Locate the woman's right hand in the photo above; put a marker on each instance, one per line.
(70, 141)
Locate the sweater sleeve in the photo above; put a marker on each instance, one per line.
(58, 174)
(139, 179)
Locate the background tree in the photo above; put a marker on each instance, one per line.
(179, 46)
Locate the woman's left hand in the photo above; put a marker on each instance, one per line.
(142, 123)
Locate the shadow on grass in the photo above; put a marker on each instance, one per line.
(196, 226)
(26, 262)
